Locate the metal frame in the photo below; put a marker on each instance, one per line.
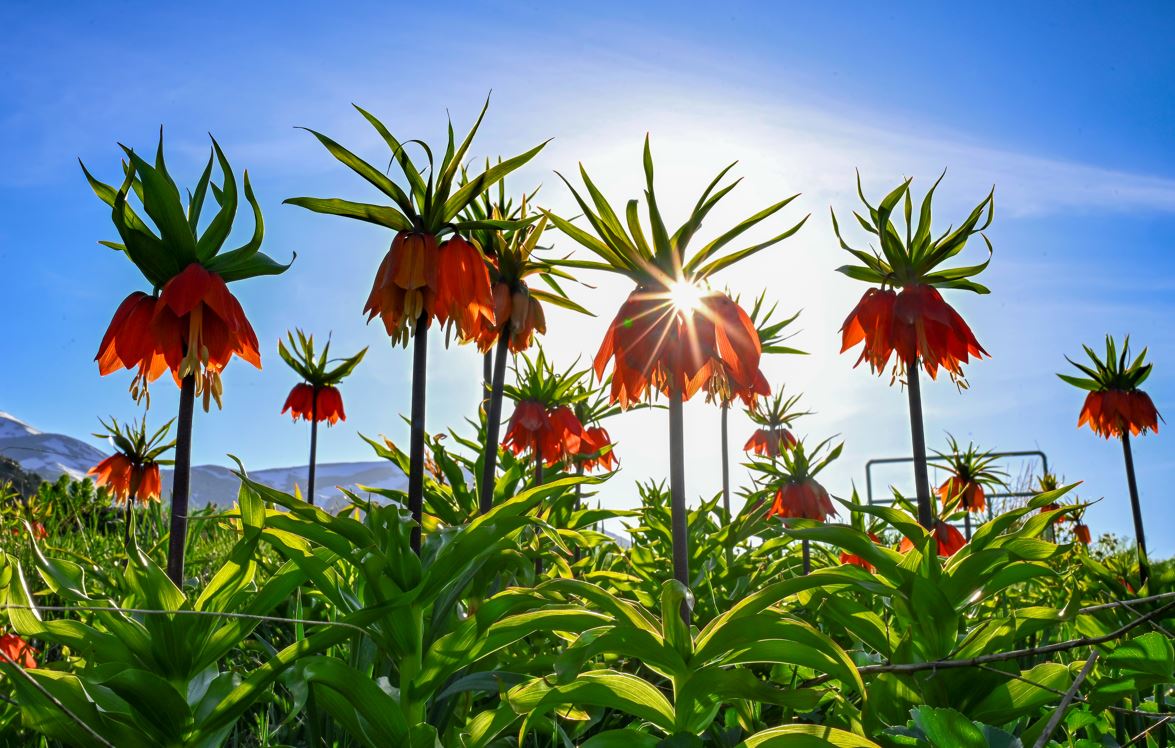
(1044, 461)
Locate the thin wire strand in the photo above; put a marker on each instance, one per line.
(56, 702)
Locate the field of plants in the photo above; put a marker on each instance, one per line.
(485, 604)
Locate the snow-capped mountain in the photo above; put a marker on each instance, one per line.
(52, 455)
(47, 455)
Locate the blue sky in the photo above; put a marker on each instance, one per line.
(1069, 115)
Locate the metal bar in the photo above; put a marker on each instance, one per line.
(1044, 461)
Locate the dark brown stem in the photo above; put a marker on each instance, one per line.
(725, 460)
(489, 458)
(1144, 571)
(538, 481)
(313, 447)
(416, 438)
(181, 482)
(487, 376)
(807, 558)
(967, 524)
(1066, 700)
(131, 496)
(918, 440)
(679, 518)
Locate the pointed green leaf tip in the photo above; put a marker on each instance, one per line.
(169, 239)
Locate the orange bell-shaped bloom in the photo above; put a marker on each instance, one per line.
(17, 650)
(553, 435)
(39, 531)
(405, 284)
(917, 323)
(594, 441)
(948, 539)
(130, 341)
(525, 314)
(463, 296)
(206, 327)
(968, 492)
(1081, 533)
(653, 343)
(1112, 413)
(770, 442)
(325, 404)
(806, 499)
(122, 477)
(854, 560)
(871, 321)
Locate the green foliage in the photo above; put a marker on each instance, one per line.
(916, 257)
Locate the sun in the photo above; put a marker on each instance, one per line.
(685, 296)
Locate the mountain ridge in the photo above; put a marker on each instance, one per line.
(50, 455)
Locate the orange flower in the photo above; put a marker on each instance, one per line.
(405, 284)
(303, 398)
(132, 341)
(201, 326)
(18, 651)
(651, 342)
(871, 321)
(806, 499)
(916, 323)
(1112, 413)
(39, 531)
(948, 539)
(463, 296)
(770, 442)
(525, 314)
(593, 441)
(552, 434)
(968, 492)
(119, 474)
(855, 560)
(1081, 532)
(448, 282)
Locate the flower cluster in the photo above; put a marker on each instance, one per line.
(917, 324)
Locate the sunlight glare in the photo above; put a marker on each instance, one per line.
(685, 296)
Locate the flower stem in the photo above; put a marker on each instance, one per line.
(416, 438)
(807, 558)
(967, 525)
(1144, 571)
(181, 482)
(677, 490)
(487, 375)
(130, 512)
(538, 481)
(725, 461)
(489, 460)
(918, 439)
(313, 448)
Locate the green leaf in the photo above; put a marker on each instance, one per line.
(380, 215)
(946, 728)
(806, 736)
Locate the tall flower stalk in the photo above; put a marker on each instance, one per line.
(771, 339)
(431, 271)
(1116, 407)
(906, 313)
(513, 265)
(190, 323)
(674, 334)
(544, 424)
(791, 476)
(317, 397)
